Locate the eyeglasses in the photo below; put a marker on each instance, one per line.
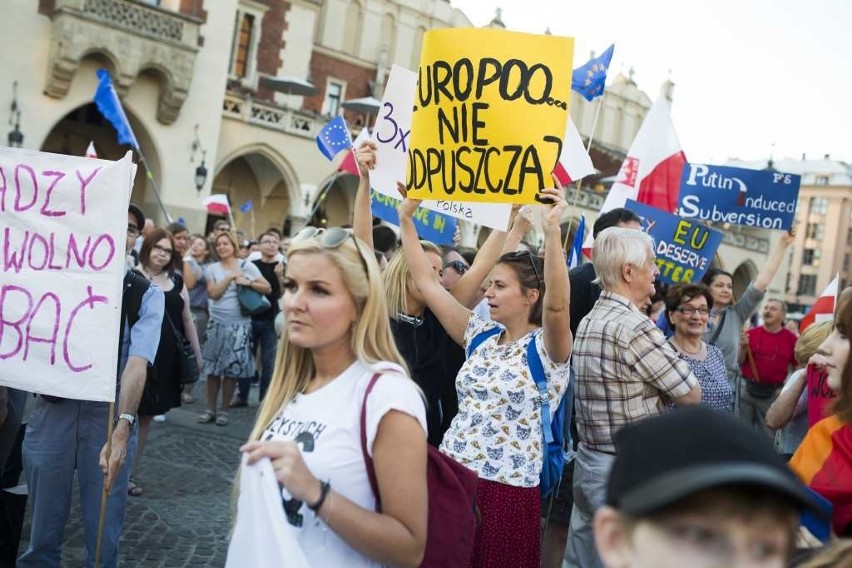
(457, 265)
(132, 231)
(689, 310)
(163, 250)
(528, 255)
(331, 239)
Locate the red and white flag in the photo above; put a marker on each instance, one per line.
(90, 151)
(823, 308)
(348, 164)
(217, 204)
(651, 171)
(574, 161)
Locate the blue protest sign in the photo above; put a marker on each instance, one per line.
(684, 248)
(764, 199)
(431, 226)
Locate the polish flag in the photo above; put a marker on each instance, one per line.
(217, 204)
(90, 151)
(823, 308)
(574, 161)
(349, 164)
(651, 171)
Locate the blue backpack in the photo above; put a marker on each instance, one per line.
(552, 425)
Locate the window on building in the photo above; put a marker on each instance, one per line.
(816, 231)
(245, 41)
(849, 237)
(807, 284)
(822, 180)
(333, 97)
(847, 263)
(351, 28)
(811, 257)
(819, 205)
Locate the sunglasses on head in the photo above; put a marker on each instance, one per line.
(517, 255)
(330, 239)
(457, 265)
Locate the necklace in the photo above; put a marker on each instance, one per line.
(150, 276)
(687, 351)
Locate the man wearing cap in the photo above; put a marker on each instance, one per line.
(699, 488)
(64, 436)
(625, 371)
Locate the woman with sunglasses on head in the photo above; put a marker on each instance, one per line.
(227, 351)
(728, 316)
(159, 263)
(336, 338)
(687, 310)
(497, 432)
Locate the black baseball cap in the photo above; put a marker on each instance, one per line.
(666, 458)
(136, 212)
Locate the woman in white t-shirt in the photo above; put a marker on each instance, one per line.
(497, 432)
(336, 337)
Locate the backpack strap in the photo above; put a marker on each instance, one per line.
(368, 461)
(480, 337)
(537, 371)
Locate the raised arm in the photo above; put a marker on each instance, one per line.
(767, 273)
(190, 277)
(452, 315)
(784, 407)
(555, 317)
(362, 222)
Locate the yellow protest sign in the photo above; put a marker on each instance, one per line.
(489, 115)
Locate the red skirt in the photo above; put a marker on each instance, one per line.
(509, 532)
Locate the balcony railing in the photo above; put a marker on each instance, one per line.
(267, 115)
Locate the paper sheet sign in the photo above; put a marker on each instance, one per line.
(740, 196)
(684, 249)
(489, 117)
(392, 135)
(63, 226)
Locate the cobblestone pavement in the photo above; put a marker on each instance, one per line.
(183, 518)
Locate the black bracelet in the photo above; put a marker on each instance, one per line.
(325, 487)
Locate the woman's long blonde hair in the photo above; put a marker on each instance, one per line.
(396, 279)
(371, 339)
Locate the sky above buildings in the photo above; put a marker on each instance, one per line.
(747, 73)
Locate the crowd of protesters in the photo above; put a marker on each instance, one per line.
(696, 434)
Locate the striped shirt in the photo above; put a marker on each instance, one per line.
(626, 371)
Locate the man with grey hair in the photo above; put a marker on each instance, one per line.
(625, 372)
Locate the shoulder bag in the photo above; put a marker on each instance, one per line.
(251, 301)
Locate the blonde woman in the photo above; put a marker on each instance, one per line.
(335, 339)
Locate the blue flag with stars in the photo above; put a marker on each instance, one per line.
(334, 137)
(589, 79)
(246, 207)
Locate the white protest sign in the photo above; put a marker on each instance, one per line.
(391, 134)
(62, 262)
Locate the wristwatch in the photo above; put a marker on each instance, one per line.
(131, 419)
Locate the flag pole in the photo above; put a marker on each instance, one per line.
(105, 494)
(156, 189)
(588, 148)
(321, 197)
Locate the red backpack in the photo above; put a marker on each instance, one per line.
(452, 492)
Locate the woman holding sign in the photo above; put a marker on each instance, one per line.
(497, 432)
(727, 316)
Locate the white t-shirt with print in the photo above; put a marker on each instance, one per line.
(326, 423)
(497, 431)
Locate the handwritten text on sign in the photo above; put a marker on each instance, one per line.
(489, 115)
(62, 250)
(392, 135)
(754, 198)
(684, 248)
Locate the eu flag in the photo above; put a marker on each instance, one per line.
(110, 107)
(334, 137)
(589, 79)
(246, 207)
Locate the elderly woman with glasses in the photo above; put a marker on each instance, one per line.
(159, 262)
(687, 311)
(498, 430)
(335, 351)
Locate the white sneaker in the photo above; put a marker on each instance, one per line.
(160, 418)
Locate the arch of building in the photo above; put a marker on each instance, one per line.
(334, 202)
(744, 274)
(260, 174)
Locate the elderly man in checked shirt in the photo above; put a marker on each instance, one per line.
(625, 372)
